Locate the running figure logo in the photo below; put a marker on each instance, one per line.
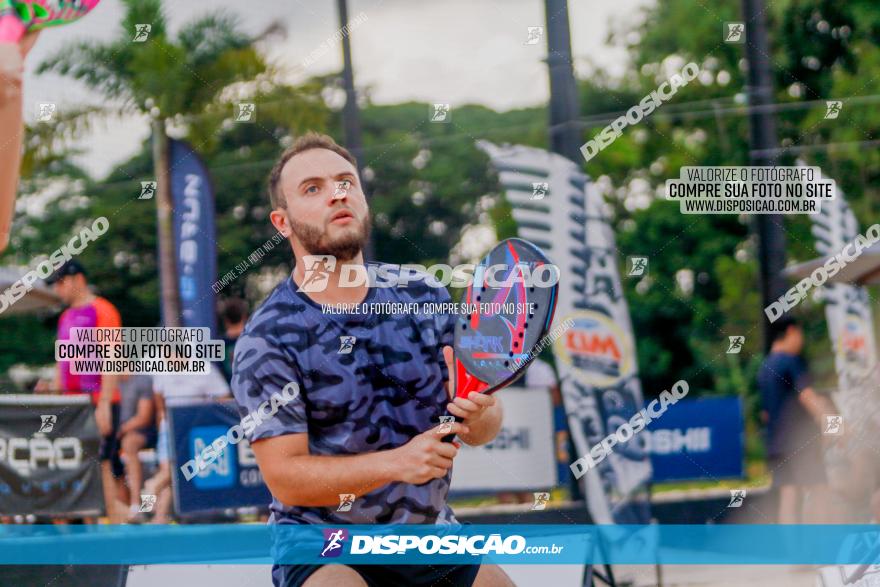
(736, 344)
(46, 112)
(245, 112)
(535, 34)
(147, 503)
(317, 272)
(735, 32)
(445, 424)
(832, 108)
(736, 498)
(141, 32)
(47, 423)
(333, 540)
(346, 500)
(346, 344)
(638, 265)
(148, 190)
(833, 425)
(342, 188)
(541, 499)
(440, 113)
(539, 189)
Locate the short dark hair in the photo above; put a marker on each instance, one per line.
(779, 329)
(233, 310)
(307, 142)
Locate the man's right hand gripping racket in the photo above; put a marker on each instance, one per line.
(495, 344)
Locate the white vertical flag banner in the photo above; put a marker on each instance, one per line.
(849, 318)
(556, 207)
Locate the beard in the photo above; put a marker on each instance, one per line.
(343, 247)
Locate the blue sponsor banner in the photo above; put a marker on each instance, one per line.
(229, 480)
(194, 236)
(426, 544)
(697, 439)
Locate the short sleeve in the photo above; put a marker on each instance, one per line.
(263, 376)
(445, 320)
(800, 375)
(540, 374)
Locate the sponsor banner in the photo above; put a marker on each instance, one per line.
(521, 457)
(194, 235)
(557, 207)
(712, 544)
(699, 439)
(49, 456)
(231, 480)
(850, 323)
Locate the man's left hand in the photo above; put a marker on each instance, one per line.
(470, 409)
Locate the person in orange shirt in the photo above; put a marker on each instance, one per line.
(86, 310)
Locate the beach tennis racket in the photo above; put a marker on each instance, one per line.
(510, 304)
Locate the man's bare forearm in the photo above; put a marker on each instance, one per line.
(10, 160)
(317, 480)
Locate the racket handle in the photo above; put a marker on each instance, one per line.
(451, 437)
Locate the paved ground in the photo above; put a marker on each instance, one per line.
(523, 576)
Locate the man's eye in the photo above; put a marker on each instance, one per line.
(312, 189)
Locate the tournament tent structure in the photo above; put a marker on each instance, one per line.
(40, 297)
(864, 270)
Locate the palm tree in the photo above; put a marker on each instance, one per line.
(170, 80)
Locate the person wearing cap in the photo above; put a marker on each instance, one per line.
(86, 310)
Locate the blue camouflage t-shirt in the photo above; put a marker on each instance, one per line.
(372, 392)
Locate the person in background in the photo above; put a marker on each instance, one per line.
(136, 433)
(794, 415)
(175, 389)
(234, 314)
(86, 310)
(540, 374)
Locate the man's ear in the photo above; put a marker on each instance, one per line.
(280, 222)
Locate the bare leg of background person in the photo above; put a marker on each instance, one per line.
(113, 493)
(492, 576)
(789, 504)
(160, 486)
(132, 443)
(333, 575)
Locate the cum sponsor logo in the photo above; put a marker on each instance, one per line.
(598, 351)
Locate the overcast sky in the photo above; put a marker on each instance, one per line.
(456, 51)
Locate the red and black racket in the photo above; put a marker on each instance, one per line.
(514, 292)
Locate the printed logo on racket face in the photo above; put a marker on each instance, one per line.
(598, 351)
